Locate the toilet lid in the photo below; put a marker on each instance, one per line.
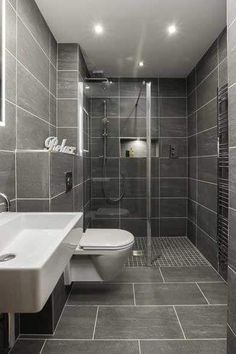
(106, 239)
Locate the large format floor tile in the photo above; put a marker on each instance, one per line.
(102, 294)
(76, 323)
(190, 274)
(90, 347)
(216, 293)
(25, 346)
(139, 275)
(168, 294)
(137, 322)
(203, 321)
(184, 347)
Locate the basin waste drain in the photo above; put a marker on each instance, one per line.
(7, 257)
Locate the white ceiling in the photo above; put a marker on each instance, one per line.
(136, 30)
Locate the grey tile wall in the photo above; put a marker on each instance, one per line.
(71, 69)
(231, 31)
(37, 79)
(30, 106)
(169, 176)
(39, 93)
(67, 98)
(202, 84)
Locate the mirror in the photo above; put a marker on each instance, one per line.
(2, 62)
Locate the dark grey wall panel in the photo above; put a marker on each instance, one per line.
(31, 95)
(31, 55)
(172, 107)
(67, 84)
(67, 113)
(207, 90)
(172, 88)
(173, 187)
(202, 82)
(11, 33)
(207, 63)
(27, 125)
(208, 247)
(33, 19)
(173, 168)
(68, 56)
(171, 227)
(32, 175)
(173, 127)
(207, 116)
(10, 72)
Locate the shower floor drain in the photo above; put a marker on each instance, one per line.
(138, 253)
(166, 252)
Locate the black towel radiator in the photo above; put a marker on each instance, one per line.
(222, 179)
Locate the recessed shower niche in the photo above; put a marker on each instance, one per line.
(137, 147)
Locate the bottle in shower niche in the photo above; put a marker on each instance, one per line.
(131, 152)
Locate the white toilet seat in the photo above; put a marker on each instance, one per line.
(106, 239)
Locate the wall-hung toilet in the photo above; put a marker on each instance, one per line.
(100, 255)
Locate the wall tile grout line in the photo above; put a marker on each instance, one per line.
(26, 69)
(203, 131)
(203, 206)
(203, 181)
(25, 110)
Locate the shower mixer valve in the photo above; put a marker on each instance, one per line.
(172, 152)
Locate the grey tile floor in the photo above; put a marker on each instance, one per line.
(166, 310)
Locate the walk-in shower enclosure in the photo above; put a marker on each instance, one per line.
(135, 137)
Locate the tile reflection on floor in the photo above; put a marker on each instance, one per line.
(168, 310)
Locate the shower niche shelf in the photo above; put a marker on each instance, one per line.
(137, 147)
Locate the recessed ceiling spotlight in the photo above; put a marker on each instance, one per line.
(87, 87)
(141, 64)
(171, 29)
(98, 28)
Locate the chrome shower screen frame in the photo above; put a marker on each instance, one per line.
(148, 173)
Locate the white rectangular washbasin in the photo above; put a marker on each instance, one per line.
(42, 244)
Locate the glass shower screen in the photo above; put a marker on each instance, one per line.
(123, 143)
